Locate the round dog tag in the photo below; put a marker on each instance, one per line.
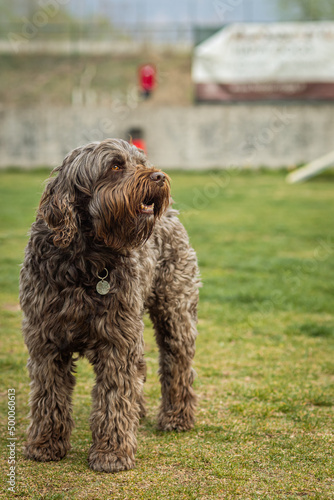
(103, 287)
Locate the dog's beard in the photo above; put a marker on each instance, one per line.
(140, 231)
(124, 215)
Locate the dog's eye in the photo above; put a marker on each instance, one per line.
(115, 167)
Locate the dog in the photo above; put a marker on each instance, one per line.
(106, 246)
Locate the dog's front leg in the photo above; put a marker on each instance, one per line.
(52, 383)
(116, 409)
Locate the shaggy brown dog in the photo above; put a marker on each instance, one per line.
(104, 247)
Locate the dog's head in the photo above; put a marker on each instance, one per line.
(107, 191)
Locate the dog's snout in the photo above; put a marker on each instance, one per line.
(158, 177)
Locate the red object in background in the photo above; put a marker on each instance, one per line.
(147, 77)
(136, 136)
(140, 144)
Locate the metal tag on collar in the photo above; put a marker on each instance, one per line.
(103, 287)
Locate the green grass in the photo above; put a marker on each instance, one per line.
(264, 354)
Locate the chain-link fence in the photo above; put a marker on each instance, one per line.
(169, 21)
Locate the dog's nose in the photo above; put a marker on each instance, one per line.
(158, 177)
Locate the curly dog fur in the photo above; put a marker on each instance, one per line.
(107, 212)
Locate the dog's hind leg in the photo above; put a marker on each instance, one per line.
(173, 310)
(141, 399)
(52, 383)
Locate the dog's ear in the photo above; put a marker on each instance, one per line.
(57, 208)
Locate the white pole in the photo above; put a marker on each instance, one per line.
(311, 169)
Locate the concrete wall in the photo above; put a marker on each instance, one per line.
(248, 135)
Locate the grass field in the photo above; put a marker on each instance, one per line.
(264, 354)
(30, 80)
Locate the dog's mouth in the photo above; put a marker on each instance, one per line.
(147, 207)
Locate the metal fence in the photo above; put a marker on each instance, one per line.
(166, 21)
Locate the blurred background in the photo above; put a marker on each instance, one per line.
(199, 84)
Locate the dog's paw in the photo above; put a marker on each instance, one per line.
(43, 453)
(102, 461)
(175, 422)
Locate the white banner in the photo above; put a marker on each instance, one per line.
(261, 53)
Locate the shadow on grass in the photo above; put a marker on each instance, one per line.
(311, 330)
